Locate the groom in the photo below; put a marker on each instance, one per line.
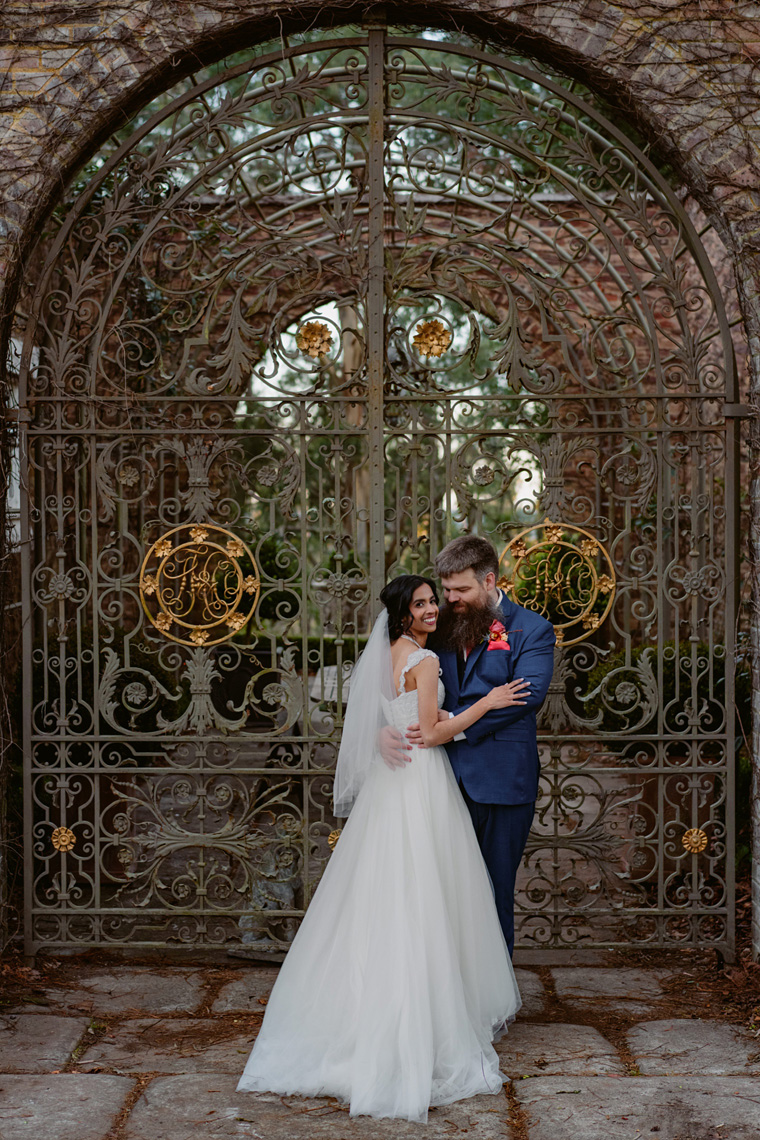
(483, 639)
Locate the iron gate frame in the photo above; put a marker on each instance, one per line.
(379, 45)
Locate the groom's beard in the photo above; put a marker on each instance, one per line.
(464, 629)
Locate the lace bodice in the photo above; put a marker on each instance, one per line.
(403, 709)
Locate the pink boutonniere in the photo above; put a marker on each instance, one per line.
(497, 636)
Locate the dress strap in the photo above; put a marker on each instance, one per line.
(414, 659)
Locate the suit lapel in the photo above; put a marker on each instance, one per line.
(511, 618)
(472, 658)
(507, 609)
(449, 669)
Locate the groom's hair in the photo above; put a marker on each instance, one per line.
(469, 551)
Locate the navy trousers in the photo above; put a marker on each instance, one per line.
(502, 831)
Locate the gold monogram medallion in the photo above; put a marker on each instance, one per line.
(564, 573)
(199, 584)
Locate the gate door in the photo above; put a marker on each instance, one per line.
(326, 309)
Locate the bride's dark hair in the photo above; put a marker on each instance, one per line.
(397, 598)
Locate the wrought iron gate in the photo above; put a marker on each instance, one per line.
(326, 309)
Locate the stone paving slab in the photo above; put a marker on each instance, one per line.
(242, 995)
(532, 992)
(532, 1050)
(69, 1106)
(625, 991)
(528, 957)
(694, 1046)
(179, 1108)
(634, 1108)
(172, 1045)
(34, 1043)
(116, 990)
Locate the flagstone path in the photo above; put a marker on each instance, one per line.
(599, 1052)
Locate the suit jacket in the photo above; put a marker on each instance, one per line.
(498, 763)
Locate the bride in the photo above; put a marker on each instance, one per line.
(399, 977)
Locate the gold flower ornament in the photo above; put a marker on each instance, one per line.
(431, 338)
(314, 339)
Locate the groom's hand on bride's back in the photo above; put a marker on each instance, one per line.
(393, 748)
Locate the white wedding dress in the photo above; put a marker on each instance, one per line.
(399, 976)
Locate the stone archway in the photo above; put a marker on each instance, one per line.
(518, 286)
(684, 74)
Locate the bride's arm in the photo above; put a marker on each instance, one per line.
(435, 731)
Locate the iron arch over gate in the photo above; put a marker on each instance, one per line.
(326, 309)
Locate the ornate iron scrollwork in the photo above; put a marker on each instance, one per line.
(199, 584)
(565, 574)
(344, 348)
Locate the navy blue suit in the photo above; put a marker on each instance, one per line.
(497, 764)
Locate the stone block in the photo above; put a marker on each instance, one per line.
(566, 956)
(37, 1043)
(244, 993)
(173, 1045)
(533, 1050)
(32, 83)
(175, 1108)
(671, 1108)
(102, 991)
(55, 59)
(532, 993)
(66, 1106)
(690, 1046)
(629, 991)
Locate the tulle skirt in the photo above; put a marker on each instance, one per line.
(399, 976)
